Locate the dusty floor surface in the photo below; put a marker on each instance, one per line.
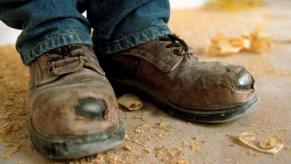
(153, 137)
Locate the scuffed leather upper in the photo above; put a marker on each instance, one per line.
(64, 82)
(171, 70)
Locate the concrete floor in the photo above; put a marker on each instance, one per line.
(154, 137)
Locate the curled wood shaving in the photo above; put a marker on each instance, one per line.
(130, 102)
(256, 42)
(273, 145)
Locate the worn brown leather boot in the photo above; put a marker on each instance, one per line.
(166, 72)
(73, 108)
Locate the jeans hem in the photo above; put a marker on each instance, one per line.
(133, 40)
(55, 40)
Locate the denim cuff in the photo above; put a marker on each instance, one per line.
(133, 40)
(54, 40)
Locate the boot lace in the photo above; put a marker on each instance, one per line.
(182, 47)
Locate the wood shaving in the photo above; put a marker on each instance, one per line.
(142, 128)
(283, 129)
(170, 156)
(233, 5)
(260, 42)
(273, 145)
(194, 146)
(162, 126)
(162, 129)
(255, 42)
(147, 150)
(221, 45)
(127, 148)
(138, 142)
(272, 142)
(130, 102)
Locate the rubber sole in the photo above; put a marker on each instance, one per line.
(193, 115)
(57, 147)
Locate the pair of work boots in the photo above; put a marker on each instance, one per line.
(73, 108)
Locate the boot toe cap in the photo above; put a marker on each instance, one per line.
(91, 108)
(244, 80)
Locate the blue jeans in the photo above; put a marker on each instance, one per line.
(117, 24)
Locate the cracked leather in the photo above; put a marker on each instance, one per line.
(61, 78)
(177, 78)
